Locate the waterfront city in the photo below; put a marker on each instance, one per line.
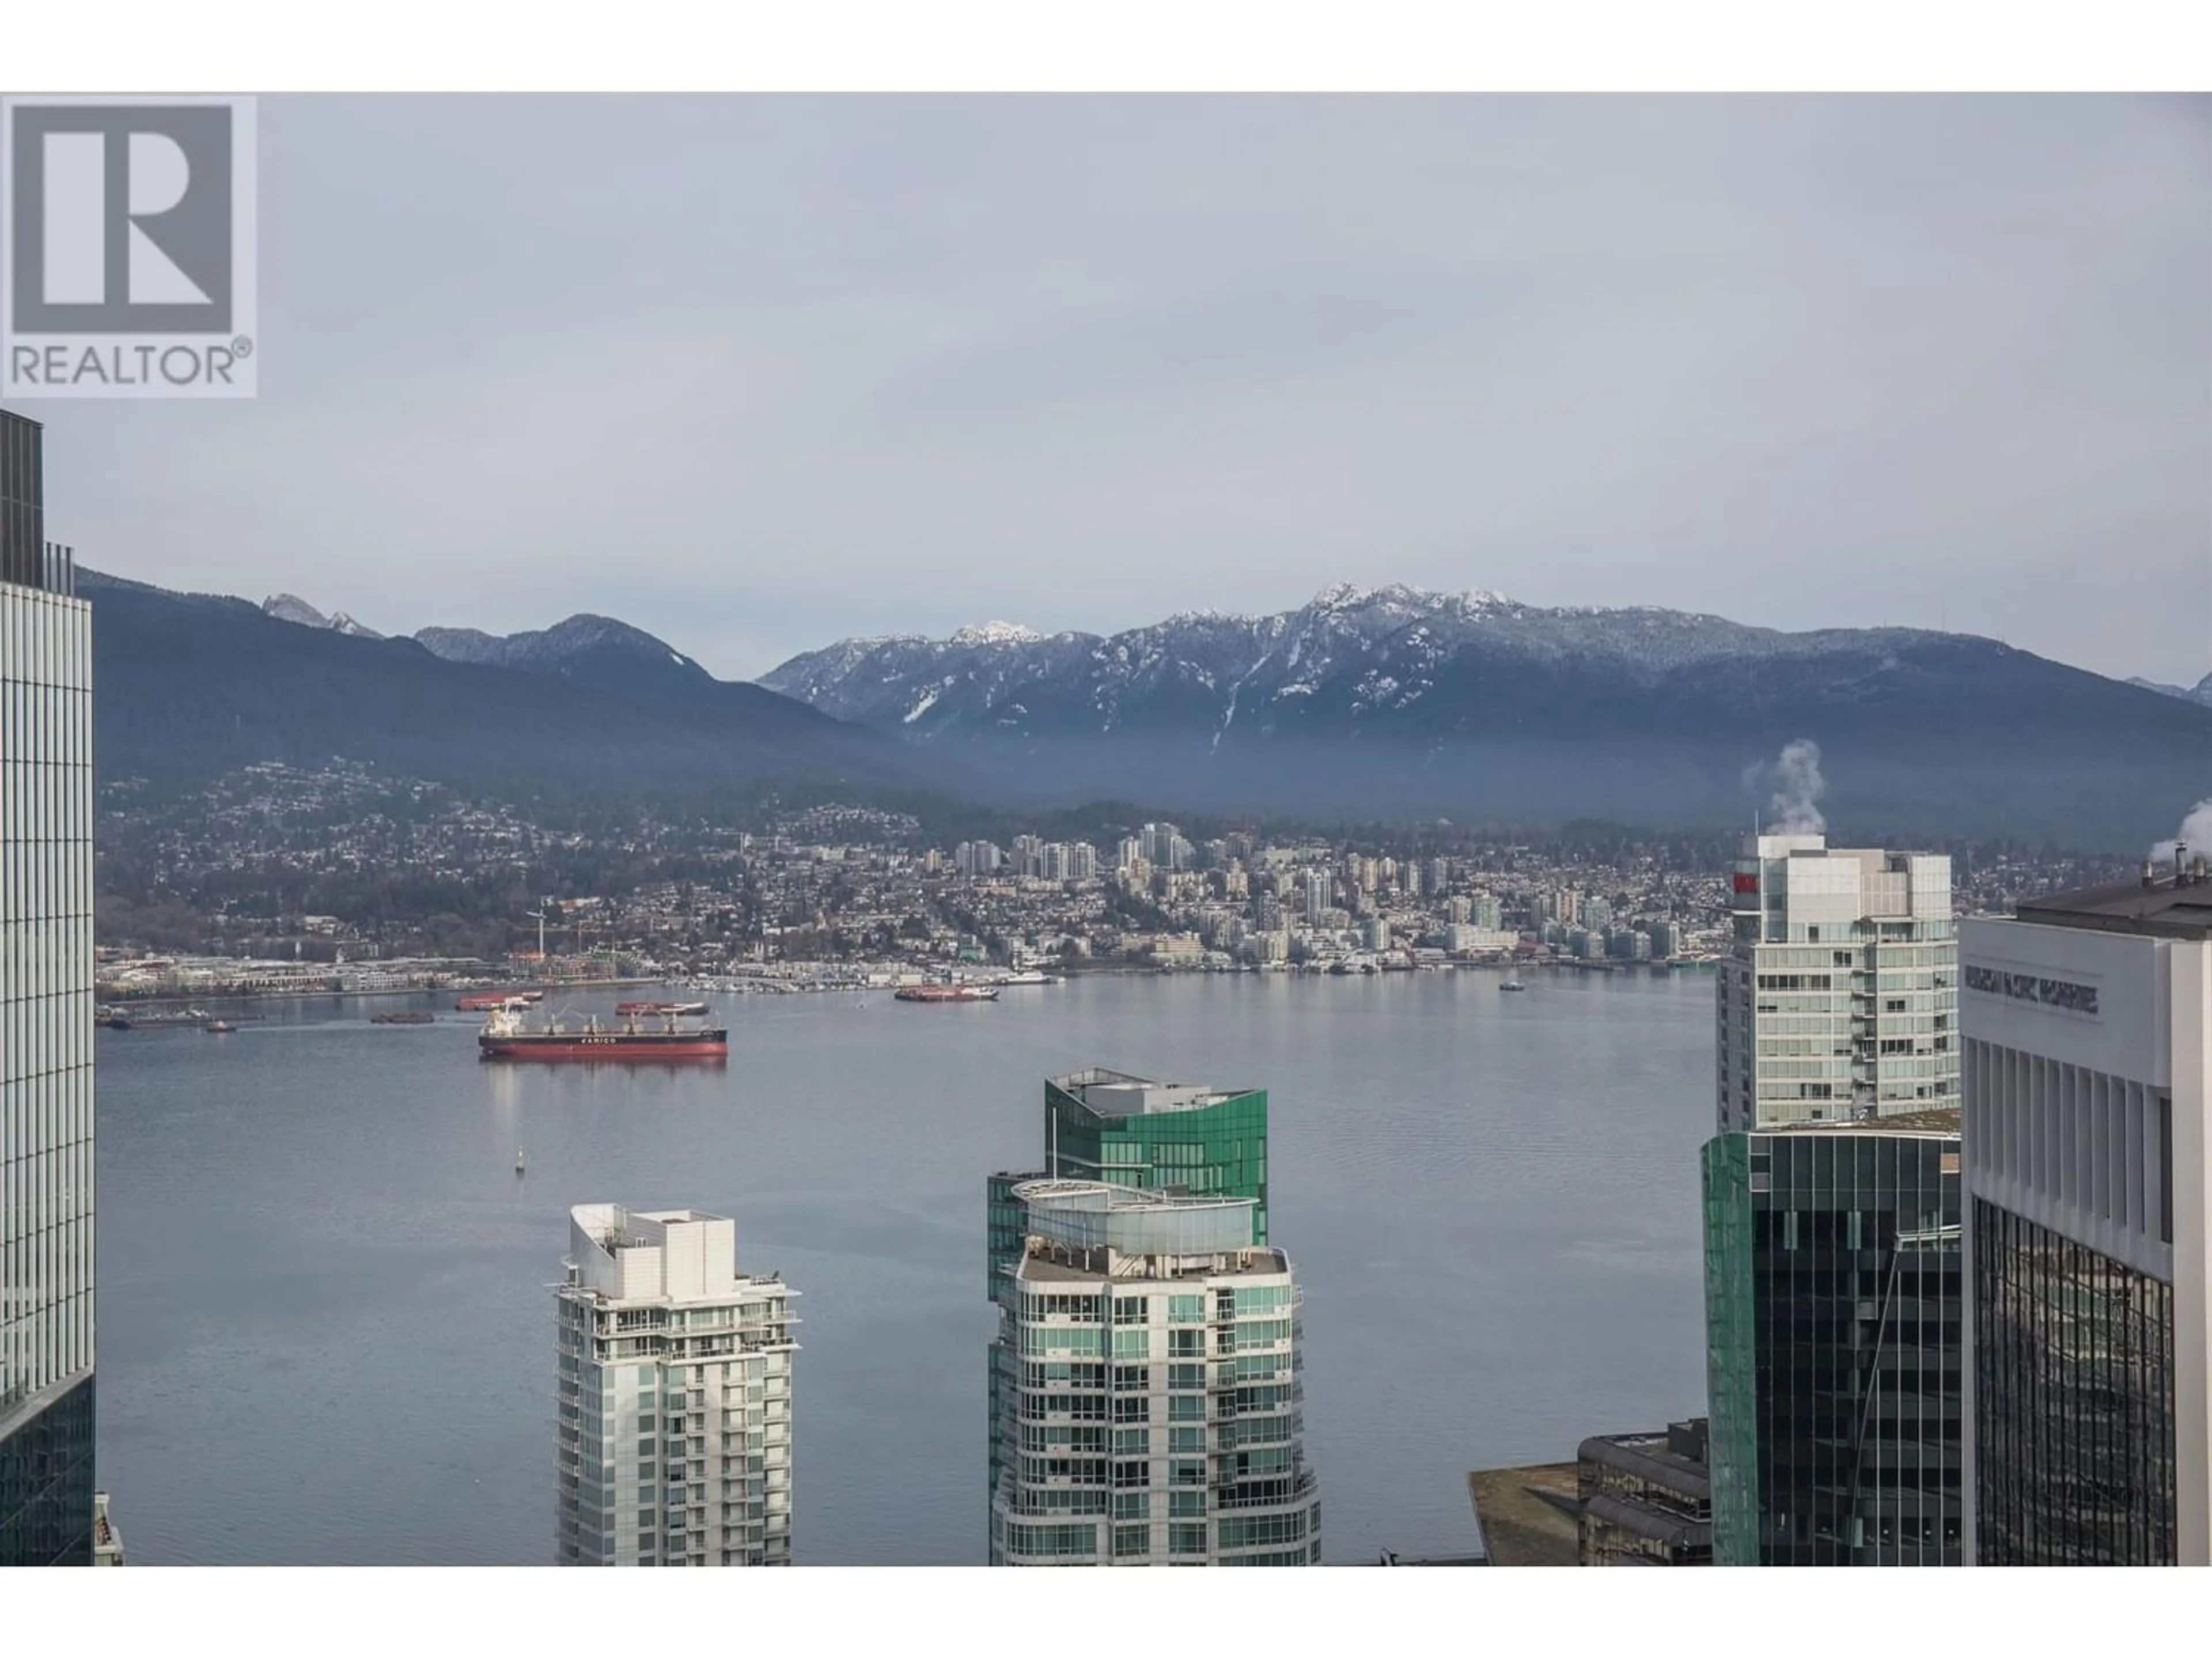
(653, 1038)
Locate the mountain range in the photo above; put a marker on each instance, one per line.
(1394, 702)
(191, 686)
(2200, 692)
(1362, 705)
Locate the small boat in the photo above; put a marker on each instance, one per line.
(1512, 982)
(518, 1161)
(220, 1027)
(114, 1022)
(946, 994)
(404, 1016)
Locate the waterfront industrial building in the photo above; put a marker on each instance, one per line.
(675, 1395)
(1645, 1500)
(2088, 1076)
(1627, 1500)
(1838, 1000)
(1147, 1409)
(46, 1168)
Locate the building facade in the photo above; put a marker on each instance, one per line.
(1834, 1345)
(1148, 1410)
(46, 1393)
(1840, 999)
(1102, 1125)
(2088, 1019)
(674, 1420)
(1646, 1500)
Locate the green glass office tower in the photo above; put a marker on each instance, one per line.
(1834, 1331)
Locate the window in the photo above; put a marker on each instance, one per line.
(1186, 1539)
(1133, 1540)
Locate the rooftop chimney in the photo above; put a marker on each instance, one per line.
(2150, 873)
(2180, 865)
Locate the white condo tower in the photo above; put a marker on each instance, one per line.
(675, 1395)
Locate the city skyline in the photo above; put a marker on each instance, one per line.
(1695, 353)
(1835, 1204)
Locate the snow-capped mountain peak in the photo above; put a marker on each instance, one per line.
(996, 633)
(289, 607)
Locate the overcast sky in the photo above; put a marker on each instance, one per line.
(757, 374)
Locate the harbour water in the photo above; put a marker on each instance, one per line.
(326, 1327)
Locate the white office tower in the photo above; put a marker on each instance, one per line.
(675, 1395)
(1839, 1000)
(46, 1404)
(1318, 885)
(1148, 1410)
(2088, 1028)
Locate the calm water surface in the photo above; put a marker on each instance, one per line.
(326, 1328)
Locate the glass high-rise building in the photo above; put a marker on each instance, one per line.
(674, 1427)
(1179, 1139)
(2088, 1051)
(1839, 998)
(1148, 1406)
(46, 1030)
(1834, 1339)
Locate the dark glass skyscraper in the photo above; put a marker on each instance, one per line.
(1833, 1308)
(45, 1031)
(22, 511)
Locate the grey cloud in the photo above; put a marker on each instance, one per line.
(755, 373)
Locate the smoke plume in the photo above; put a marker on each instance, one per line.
(1798, 786)
(2195, 834)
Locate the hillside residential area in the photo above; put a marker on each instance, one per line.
(339, 880)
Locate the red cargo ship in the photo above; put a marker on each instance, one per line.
(504, 1037)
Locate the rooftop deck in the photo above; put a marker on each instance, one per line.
(1526, 1517)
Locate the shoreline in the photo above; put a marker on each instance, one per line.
(176, 1002)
